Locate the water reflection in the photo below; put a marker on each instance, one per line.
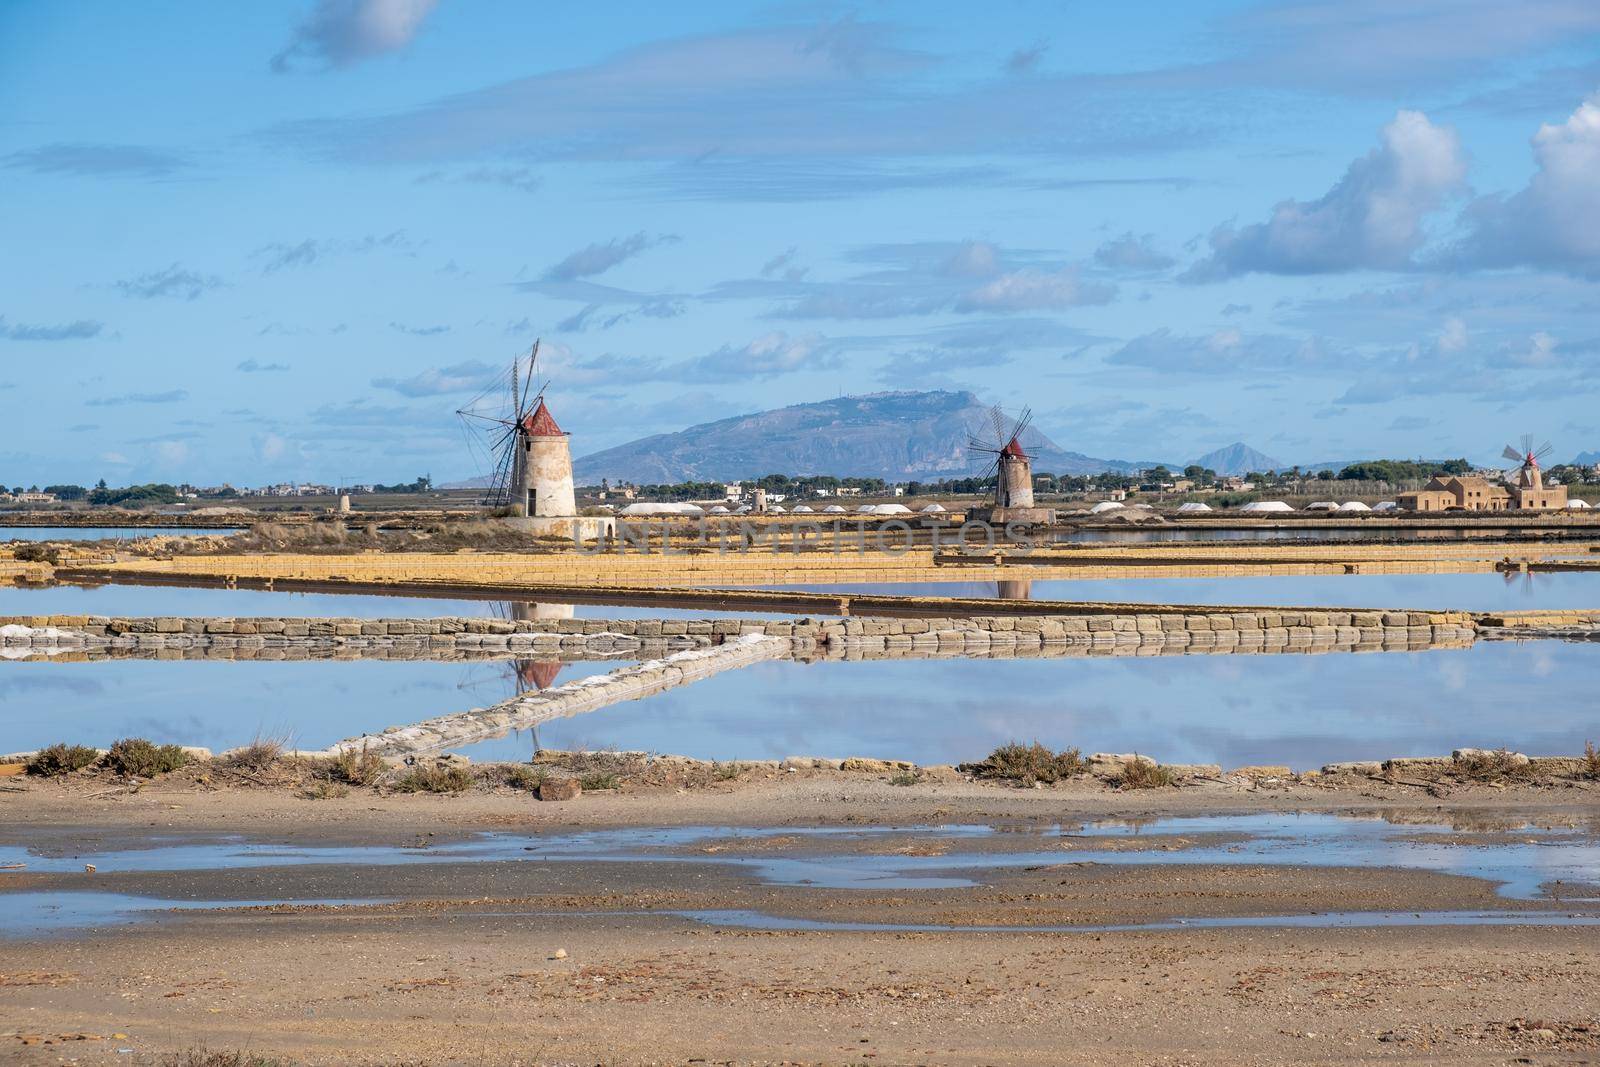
(1487, 591)
(106, 533)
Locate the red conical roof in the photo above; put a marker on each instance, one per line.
(541, 423)
(538, 674)
(1014, 449)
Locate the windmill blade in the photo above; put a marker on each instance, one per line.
(978, 444)
(1512, 453)
(1023, 422)
(1543, 450)
(997, 419)
(1527, 443)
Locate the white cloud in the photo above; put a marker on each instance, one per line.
(1034, 290)
(1372, 219)
(338, 33)
(767, 356)
(1551, 223)
(1132, 252)
(470, 376)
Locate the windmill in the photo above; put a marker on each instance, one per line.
(1011, 466)
(1527, 472)
(506, 434)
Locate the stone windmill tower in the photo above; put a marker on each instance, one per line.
(532, 460)
(1528, 491)
(1012, 468)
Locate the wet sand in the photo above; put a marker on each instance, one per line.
(459, 960)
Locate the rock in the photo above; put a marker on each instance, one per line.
(1353, 767)
(1268, 771)
(559, 954)
(867, 765)
(1462, 755)
(1407, 764)
(1110, 764)
(560, 789)
(1194, 770)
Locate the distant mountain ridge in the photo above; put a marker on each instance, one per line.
(896, 436)
(1237, 458)
(1586, 459)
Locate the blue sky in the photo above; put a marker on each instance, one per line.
(287, 240)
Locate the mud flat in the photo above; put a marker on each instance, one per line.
(814, 918)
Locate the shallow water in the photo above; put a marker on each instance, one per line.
(1300, 710)
(104, 533)
(135, 600)
(1419, 592)
(1560, 866)
(222, 704)
(1293, 533)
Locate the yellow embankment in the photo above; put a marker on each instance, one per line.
(766, 567)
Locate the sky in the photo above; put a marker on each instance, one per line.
(287, 240)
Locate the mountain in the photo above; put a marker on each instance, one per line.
(1586, 459)
(1237, 458)
(895, 436)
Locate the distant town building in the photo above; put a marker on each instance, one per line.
(1470, 493)
(36, 498)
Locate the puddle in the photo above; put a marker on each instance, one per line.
(1536, 866)
(755, 920)
(33, 914)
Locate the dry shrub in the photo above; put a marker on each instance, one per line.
(1140, 773)
(356, 766)
(1591, 762)
(134, 757)
(1491, 766)
(727, 772)
(434, 779)
(325, 789)
(204, 1057)
(517, 775)
(57, 760)
(259, 755)
(1027, 764)
(599, 780)
(906, 778)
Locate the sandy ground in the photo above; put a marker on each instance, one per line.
(586, 962)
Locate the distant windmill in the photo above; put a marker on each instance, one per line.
(1527, 473)
(1011, 465)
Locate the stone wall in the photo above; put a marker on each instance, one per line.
(848, 638)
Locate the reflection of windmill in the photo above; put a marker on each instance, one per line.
(526, 675)
(1011, 466)
(1527, 473)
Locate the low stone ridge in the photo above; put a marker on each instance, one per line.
(843, 638)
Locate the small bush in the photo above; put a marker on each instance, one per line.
(134, 757)
(204, 1057)
(1027, 764)
(906, 778)
(57, 760)
(727, 772)
(520, 776)
(37, 553)
(434, 779)
(325, 789)
(1490, 766)
(257, 756)
(1140, 773)
(357, 766)
(1591, 762)
(600, 780)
